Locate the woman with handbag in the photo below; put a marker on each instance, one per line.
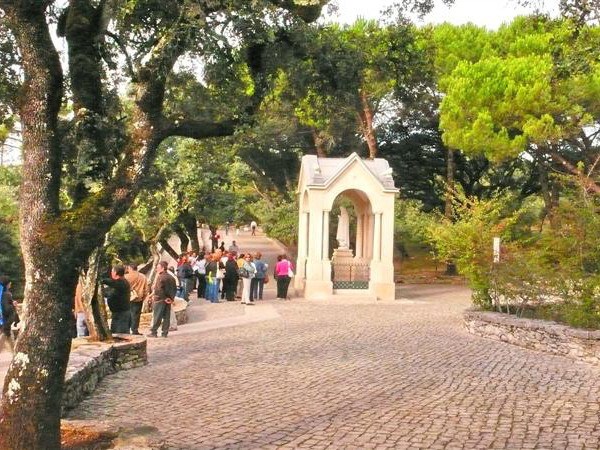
(284, 273)
(247, 272)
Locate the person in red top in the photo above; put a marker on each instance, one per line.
(283, 273)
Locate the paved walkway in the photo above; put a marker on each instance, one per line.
(335, 374)
(402, 374)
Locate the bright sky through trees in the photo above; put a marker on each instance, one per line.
(489, 13)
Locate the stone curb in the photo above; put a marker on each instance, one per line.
(89, 363)
(549, 337)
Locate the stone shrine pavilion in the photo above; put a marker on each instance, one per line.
(363, 266)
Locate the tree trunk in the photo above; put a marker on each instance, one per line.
(191, 228)
(93, 300)
(548, 190)
(448, 210)
(366, 120)
(167, 248)
(34, 381)
(184, 240)
(155, 260)
(319, 141)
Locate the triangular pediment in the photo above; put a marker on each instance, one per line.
(321, 173)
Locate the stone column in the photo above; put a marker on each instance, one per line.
(325, 248)
(359, 235)
(369, 236)
(303, 245)
(377, 237)
(382, 267)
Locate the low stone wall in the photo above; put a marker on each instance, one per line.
(549, 337)
(90, 362)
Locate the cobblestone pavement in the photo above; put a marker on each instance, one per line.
(400, 374)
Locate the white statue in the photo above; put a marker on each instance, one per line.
(343, 229)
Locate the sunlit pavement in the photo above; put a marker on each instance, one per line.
(402, 374)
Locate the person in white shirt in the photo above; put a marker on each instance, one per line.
(200, 271)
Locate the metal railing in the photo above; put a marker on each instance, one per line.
(350, 276)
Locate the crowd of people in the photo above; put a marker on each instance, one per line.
(220, 275)
(229, 275)
(223, 274)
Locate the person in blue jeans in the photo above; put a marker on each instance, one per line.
(257, 283)
(212, 287)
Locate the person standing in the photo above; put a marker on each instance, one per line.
(9, 313)
(185, 274)
(240, 262)
(214, 239)
(233, 248)
(81, 324)
(118, 300)
(212, 286)
(231, 277)
(139, 291)
(247, 272)
(283, 269)
(258, 282)
(172, 316)
(253, 227)
(163, 294)
(200, 271)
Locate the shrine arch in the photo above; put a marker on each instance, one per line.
(369, 187)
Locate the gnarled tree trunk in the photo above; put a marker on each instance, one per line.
(93, 299)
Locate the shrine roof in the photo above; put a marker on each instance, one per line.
(316, 172)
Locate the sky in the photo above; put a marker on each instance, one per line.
(488, 13)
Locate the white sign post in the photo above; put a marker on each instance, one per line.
(496, 250)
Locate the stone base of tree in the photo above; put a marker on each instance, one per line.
(549, 337)
(90, 362)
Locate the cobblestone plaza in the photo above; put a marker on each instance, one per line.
(345, 374)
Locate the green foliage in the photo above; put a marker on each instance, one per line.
(520, 87)
(411, 222)
(467, 238)
(11, 261)
(279, 220)
(552, 268)
(126, 244)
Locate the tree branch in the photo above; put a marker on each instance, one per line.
(587, 182)
(123, 48)
(198, 129)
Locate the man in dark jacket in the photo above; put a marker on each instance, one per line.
(163, 294)
(118, 300)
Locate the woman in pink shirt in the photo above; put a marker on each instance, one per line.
(283, 273)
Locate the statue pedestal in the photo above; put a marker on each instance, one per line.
(342, 262)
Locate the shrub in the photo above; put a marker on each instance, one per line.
(551, 268)
(279, 220)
